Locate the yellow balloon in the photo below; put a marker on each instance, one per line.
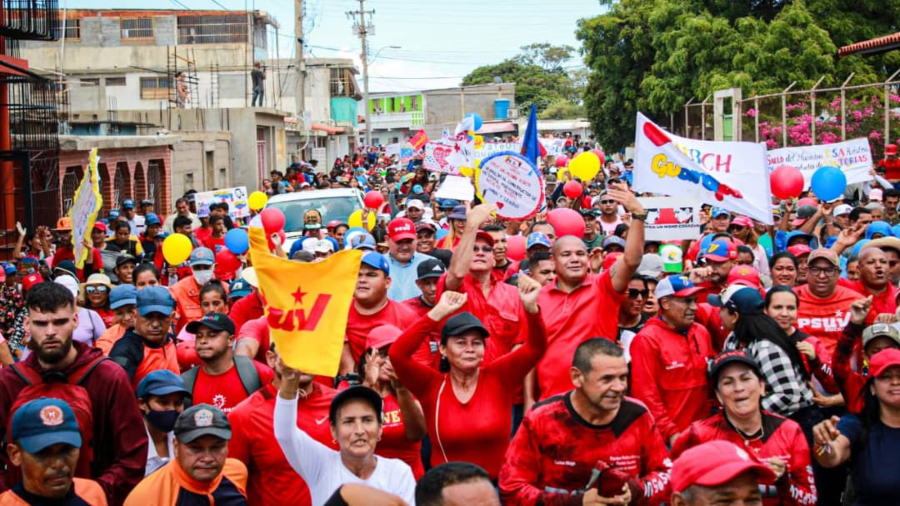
(176, 249)
(257, 200)
(479, 142)
(466, 171)
(585, 166)
(356, 220)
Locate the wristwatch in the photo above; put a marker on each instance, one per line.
(639, 216)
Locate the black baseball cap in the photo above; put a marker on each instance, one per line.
(460, 323)
(202, 420)
(731, 357)
(365, 394)
(214, 321)
(431, 268)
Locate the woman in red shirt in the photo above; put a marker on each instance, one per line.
(404, 422)
(468, 407)
(96, 297)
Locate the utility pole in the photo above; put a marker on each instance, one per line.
(300, 95)
(363, 30)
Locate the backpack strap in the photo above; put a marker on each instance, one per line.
(248, 373)
(190, 379)
(79, 376)
(27, 374)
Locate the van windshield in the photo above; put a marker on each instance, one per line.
(332, 208)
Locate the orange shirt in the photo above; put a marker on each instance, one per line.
(88, 491)
(109, 338)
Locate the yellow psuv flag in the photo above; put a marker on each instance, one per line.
(306, 304)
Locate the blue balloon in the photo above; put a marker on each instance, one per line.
(477, 119)
(441, 233)
(828, 183)
(237, 241)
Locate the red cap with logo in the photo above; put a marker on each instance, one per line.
(714, 464)
(31, 280)
(882, 361)
(799, 250)
(401, 229)
(744, 275)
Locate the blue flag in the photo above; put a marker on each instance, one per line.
(531, 146)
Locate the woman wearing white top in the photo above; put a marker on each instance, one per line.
(356, 419)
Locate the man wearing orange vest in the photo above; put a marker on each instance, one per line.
(186, 292)
(148, 346)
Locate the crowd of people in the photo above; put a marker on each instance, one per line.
(759, 364)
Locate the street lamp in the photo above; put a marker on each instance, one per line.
(365, 62)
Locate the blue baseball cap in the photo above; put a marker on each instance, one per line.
(114, 213)
(720, 250)
(677, 285)
(879, 227)
(447, 203)
(154, 299)
(162, 234)
(44, 422)
(417, 188)
(376, 260)
(613, 240)
(152, 219)
(202, 256)
(128, 204)
(719, 211)
(161, 382)
(9, 268)
(740, 299)
(122, 295)
(537, 239)
(239, 288)
(364, 242)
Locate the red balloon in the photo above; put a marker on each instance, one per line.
(600, 154)
(373, 200)
(786, 182)
(573, 189)
(515, 248)
(562, 161)
(271, 244)
(186, 354)
(586, 202)
(226, 264)
(272, 220)
(565, 222)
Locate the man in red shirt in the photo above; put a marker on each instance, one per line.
(223, 379)
(251, 306)
(717, 260)
(372, 308)
(552, 457)
(272, 481)
(216, 238)
(874, 280)
(824, 308)
(669, 357)
(579, 305)
(429, 272)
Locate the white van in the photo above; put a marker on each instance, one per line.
(334, 204)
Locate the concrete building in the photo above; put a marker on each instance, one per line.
(396, 116)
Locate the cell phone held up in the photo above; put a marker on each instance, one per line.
(609, 481)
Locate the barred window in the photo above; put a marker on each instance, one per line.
(115, 81)
(73, 29)
(156, 88)
(137, 28)
(212, 29)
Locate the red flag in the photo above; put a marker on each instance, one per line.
(418, 141)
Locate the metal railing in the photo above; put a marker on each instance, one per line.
(30, 19)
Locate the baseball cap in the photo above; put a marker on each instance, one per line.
(415, 202)
(214, 321)
(154, 299)
(381, 336)
(151, 219)
(731, 357)
(460, 323)
(249, 275)
(239, 288)
(879, 227)
(676, 285)
(799, 250)
(201, 420)
(827, 254)
(125, 258)
(376, 260)
(715, 463)
(744, 275)
(101, 226)
(613, 240)
(537, 239)
(890, 149)
(67, 267)
(161, 382)
(417, 188)
(880, 330)
(203, 212)
(363, 241)
(875, 195)
(31, 280)
(652, 265)
(673, 257)
(882, 361)
(360, 392)
(323, 246)
(128, 204)
(9, 268)
(122, 295)
(720, 250)
(162, 234)
(202, 256)
(742, 221)
(719, 211)
(63, 224)
(842, 209)
(422, 225)
(113, 213)
(447, 203)
(431, 268)
(146, 202)
(98, 278)
(69, 282)
(458, 213)
(803, 213)
(44, 422)
(739, 298)
(400, 229)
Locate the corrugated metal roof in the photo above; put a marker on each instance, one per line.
(877, 45)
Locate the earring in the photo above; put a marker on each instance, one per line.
(333, 441)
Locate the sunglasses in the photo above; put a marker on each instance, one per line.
(483, 249)
(633, 293)
(90, 290)
(607, 202)
(737, 228)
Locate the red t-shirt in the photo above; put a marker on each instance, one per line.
(272, 481)
(246, 309)
(591, 310)
(359, 325)
(884, 302)
(394, 444)
(214, 243)
(434, 338)
(825, 318)
(258, 330)
(201, 234)
(225, 391)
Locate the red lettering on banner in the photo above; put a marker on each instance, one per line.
(296, 319)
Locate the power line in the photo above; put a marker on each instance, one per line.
(220, 5)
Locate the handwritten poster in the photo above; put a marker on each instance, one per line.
(512, 183)
(86, 205)
(854, 158)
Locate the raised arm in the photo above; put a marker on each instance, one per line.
(462, 257)
(515, 365)
(306, 456)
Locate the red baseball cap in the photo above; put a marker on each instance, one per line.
(742, 221)
(713, 464)
(31, 280)
(400, 229)
(744, 275)
(382, 336)
(882, 361)
(99, 225)
(799, 250)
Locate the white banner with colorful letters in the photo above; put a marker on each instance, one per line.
(731, 175)
(236, 198)
(853, 157)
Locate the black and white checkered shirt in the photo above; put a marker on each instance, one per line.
(786, 393)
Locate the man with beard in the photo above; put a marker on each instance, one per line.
(592, 426)
(425, 232)
(223, 379)
(718, 258)
(118, 435)
(272, 480)
(148, 346)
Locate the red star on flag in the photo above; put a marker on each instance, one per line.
(298, 295)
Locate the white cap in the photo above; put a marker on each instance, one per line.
(309, 245)
(415, 203)
(842, 209)
(323, 246)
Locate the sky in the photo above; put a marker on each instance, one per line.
(440, 41)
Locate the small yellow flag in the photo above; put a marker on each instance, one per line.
(306, 304)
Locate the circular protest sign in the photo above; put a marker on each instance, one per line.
(512, 183)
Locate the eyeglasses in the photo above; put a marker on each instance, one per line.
(483, 249)
(90, 290)
(633, 293)
(828, 271)
(737, 228)
(607, 202)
